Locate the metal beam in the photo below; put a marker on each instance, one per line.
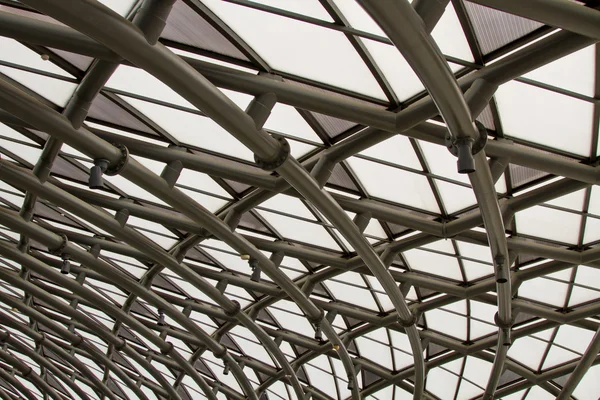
(387, 123)
(588, 359)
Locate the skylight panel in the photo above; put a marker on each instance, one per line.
(433, 263)
(592, 230)
(289, 316)
(299, 48)
(250, 345)
(475, 270)
(589, 385)
(547, 223)
(574, 72)
(289, 205)
(574, 201)
(587, 285)
(357, 296)
(358, 17)
(321, 378)
(310, 8)
(455, 197)
(447, 323)
(57, 91)
(441, 382)
(375, 351)
(594, 207)
(528, 351)
(193, 129)
(16, 53)
(285, 119)
(302, 231)
(545, 291)
(396, 150)
(450, 37)
(544, 117)
(122, 7)
(396, 69)
(28, 153)
(211, 203)
(390, 184)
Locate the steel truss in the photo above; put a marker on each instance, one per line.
(113, 40)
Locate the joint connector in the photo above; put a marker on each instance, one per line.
(62, 247)
(279, 159)
(465, 147)
(409, 322)
(504, 325)
(167, 349)
(237, 308)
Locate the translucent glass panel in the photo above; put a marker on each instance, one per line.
(549, 224)
(299, 48)
(310, 8)
(370, 175)
(56, 90)
(16, 53)
(434, 263)
(574, 72)
(122, 7)
(544, 117)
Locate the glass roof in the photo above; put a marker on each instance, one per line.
(157, 257)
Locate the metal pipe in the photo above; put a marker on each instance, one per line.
(64, 355)
(30, 375)
(97, 328)
(150, 180)
(43, 362)
(101, 219)
(43, 270)
(430, 11)
(71, 337)
(17, 385)
(404, 27)
(584, 364)
(537, 54)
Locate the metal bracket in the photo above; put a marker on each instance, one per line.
(460, 147)
(60, 249)
(284, 152)
(115, 169)
(408, 323)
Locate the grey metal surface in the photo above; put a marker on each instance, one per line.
(306, 180)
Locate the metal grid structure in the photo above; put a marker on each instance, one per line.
(291, 199)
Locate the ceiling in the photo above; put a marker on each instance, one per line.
(276, 213)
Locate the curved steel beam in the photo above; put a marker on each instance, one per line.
(102, 332)
(28, 374)
(151, 19)
(563, 14)
(43, 270)
(522, 61)
(376, 322)
(60, 352)
(196, 89)
(264, 147)
(120, 279)
(73, 338)
(406, 30)
(43, 362)
(588, 359)
(19, 387)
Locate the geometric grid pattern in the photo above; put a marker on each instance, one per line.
(191, 272)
